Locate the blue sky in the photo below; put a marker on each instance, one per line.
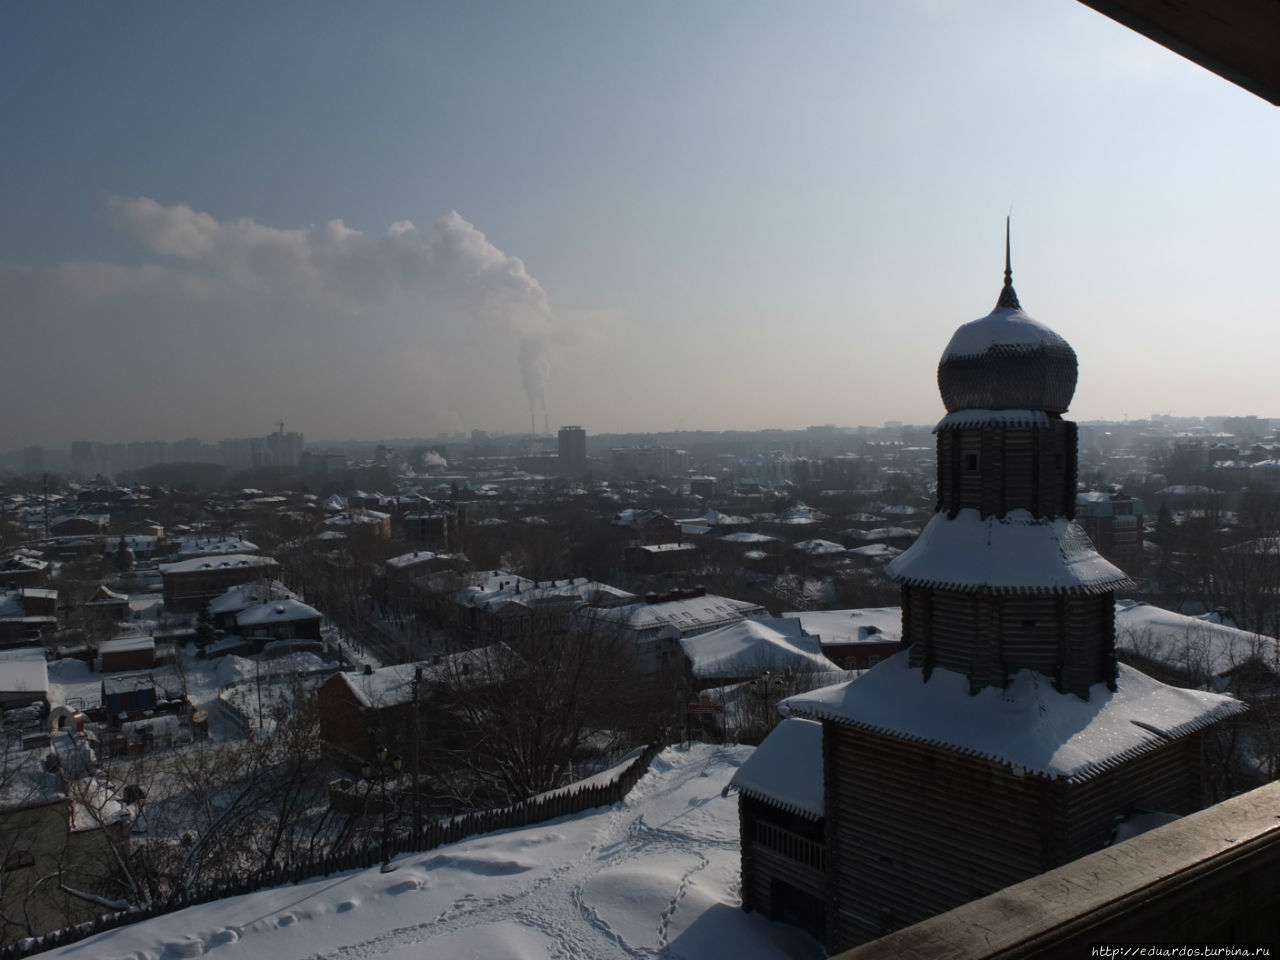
(712, 214)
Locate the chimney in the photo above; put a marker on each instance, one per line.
(368, 669)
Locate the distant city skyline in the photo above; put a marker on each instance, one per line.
(422, 219)
(183, 449)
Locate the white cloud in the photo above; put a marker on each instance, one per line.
(92, 281)
(176, 231)
(457, 281)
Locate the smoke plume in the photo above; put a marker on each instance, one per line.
(454, 278)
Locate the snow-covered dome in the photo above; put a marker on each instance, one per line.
(1007, 361)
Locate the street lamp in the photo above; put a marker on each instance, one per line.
(366, 770)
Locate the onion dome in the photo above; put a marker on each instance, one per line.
(1006, 360)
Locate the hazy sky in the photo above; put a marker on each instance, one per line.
(393, 219)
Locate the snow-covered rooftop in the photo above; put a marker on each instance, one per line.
(1029, 724)
(276, 611)
(389, 686)
(815, 548)
(24, 669)
(127, 644)
(876, 551)
(215, 546)
(750, 646)
(1189, 643)
(786, 769)
(235, 560)
(746, 537)
(244, 595)
(1017, 554)
(687, 615)
(868, 624)
(406, 560)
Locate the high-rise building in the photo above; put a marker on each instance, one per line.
(573, 452)
(82, 460)
(1004, 739)
(33, 460)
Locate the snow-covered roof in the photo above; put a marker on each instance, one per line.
(1002, 418)
(750, 646)
(409, 559)
(745, 537)
(667, 547)
(215, 546)
(687, 615)
(129, 683)
(816, 548)
(1188, 643)
(786, 769)
(866, 625)
(106, 595)
(1017, 554)
(96, 802)
(876, 551)
(1029, 724)
(127, 645)
(236, 560)
(390, 686)
(24, 669)
(880, 533)
(276, 611)
(639, 517)
(1261, 547)
(486, 585)
(493, 590)
(357, 518)
(21, 562)
(244, 595)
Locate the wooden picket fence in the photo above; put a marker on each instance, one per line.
(560, 803)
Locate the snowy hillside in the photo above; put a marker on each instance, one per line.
(655, 876)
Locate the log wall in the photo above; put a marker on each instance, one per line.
(996, 468)
(989, 636)
(914, 830)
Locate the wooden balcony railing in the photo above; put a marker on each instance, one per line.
(791, 845)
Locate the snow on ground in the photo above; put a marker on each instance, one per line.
(654, 876)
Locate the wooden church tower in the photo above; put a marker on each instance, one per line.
(1004, 739)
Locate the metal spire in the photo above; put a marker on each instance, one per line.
(1008, 297)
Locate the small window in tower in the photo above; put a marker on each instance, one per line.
(971, 461)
